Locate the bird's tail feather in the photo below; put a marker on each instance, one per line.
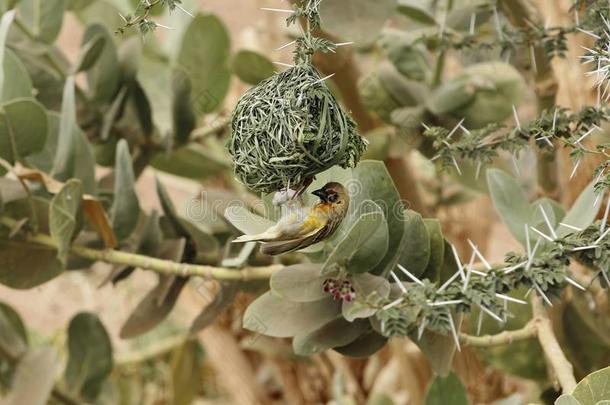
(260, 237)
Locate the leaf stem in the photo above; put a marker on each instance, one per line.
(150, 263)
(557, 361)
(529, 331)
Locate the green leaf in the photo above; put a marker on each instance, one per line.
(20, 84)
(193, 161)
(103, 12)
(204, 56)
(567, 399)
(155, 77)
(245, 220)
(583, 211)
(439, 349)
(187, 373)
(251, 67)
(593, 388)
(336, 333)
(416, 253)
(510, 202)
(225, 297)
(263, 316)
(73, 156)
(368, 287)
(356, 20)
(64, 212)
(414, 10)
(104, 76)
(183, 115)
(13, 336)
(23, 129)
(125, 207)
(374, 183)
(365, 243)
(34, 378)
(43, 160)
(43, 17)
(89, 356)
(437, 250)
(90, 51)
(299, 283)
(365, 345)
(446, 390)
(5, 25)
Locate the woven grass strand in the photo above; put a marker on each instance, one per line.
(288, 129)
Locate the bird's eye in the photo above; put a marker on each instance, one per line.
(332, 197)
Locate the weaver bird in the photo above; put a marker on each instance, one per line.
(304, 226)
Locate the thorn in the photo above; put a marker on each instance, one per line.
(457, 167)
(164, 26)
(605, 276)
(576, 18)
(397, 281)
(344, 43)
(463, 128)
(283, 64)
(479, 323)
(588, 33)
(531, 258)
(546, 139)
(528, 243)
(324, 78)
(575, 284)
(555, 118)
(285, 46)
(453, 330)
(425, 126)
(480, 255)
(548, 222)
(421, 328)
(478, 171)
(575, 228)
(584, 248)
(497, 21)
(123, 18)
(183, 10)
(606, 213)
(393, 303)
(587, 133)
(516, 118)
(443, 303)
(543, 295)
(277, 10)
(449, 281)
(515, 165)
(533, 56)
(513, 268)
(574, 169)
(511, 299)
(468, 272)
(382, 326)
(473, 21)
(411, 276)
(603, 235)
(542, 234)
(490, 313)
(455, 128)
(458, 261)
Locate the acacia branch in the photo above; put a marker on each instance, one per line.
(150, 263)
(557, 361)
(529, 331)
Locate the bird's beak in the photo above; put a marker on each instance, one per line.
(319, 193)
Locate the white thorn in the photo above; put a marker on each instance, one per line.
(574, 169)
(455, 128)
(184, 11)
(548, 222)
(283, 64)
(555, 118)
(324, 78)
(478, 171)
(576, 18)
(546, 139)
(575, 284)
(278, 10)
(606, 213)
(528, 243)
(603, 235)
(457, 167)
(453, 331)
(393, 303)
(473, 21)
(479, 323)
(459, 263)
(421, 328)
(123, 18)
(584, 248)
(533, 56)
(516, 118)
(344, 43)
(397, 281)
(588, 33)
(164, 26)
(468, 272)
(531, 258)
(285, 46)
(449, 281)
(515, 165)
(411, 276)
(479, 255)
(543, 295)
(382, 326)
(513, 268)
(605, 276)
(443, 303)
(545, 236)
(490, 313)
(425, 126)
(589, 132)
(511, 299)
(574, 228)
(497, 21)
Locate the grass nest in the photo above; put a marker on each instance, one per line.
(289, 128)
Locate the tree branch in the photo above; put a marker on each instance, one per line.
(557, 361)
(529, 331)
(154, 264)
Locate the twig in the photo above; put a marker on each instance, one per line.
(557, 361)
(527, 332)
(200, 134)
(154, 264)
